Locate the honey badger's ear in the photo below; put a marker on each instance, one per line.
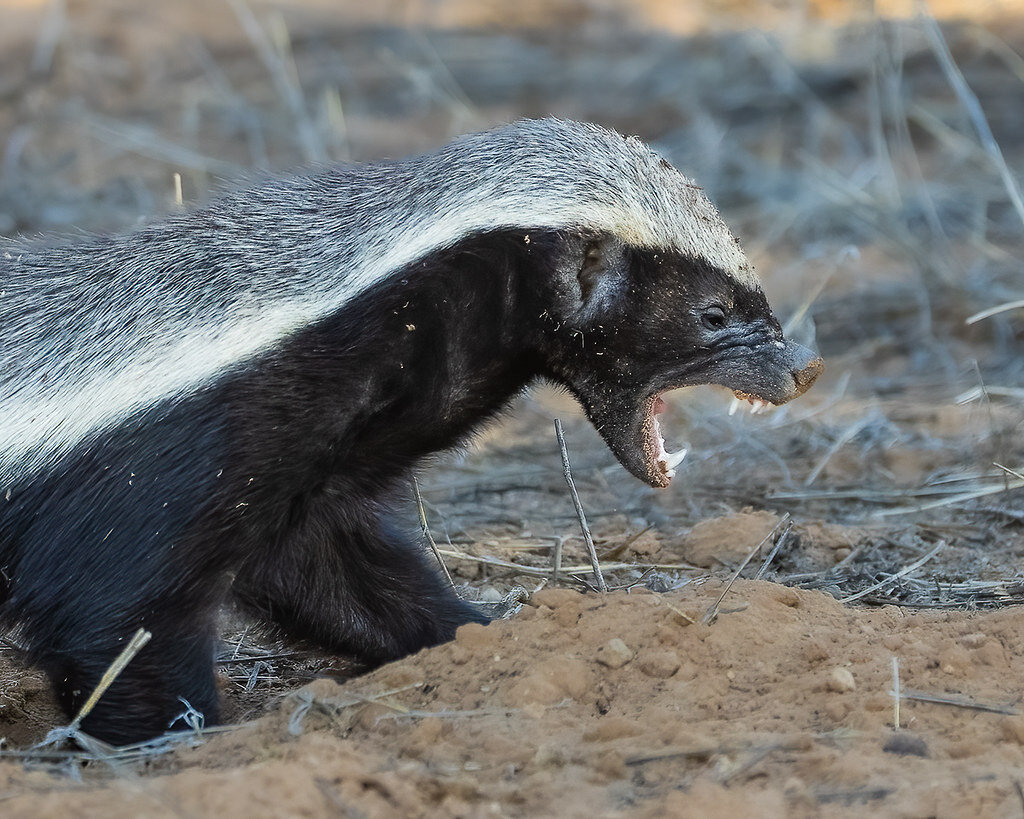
(600, 272)
(592, 268)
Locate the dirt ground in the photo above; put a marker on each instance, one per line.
(876, 193)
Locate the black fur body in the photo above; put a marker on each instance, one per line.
(272, 480)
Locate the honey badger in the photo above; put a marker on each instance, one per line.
(227, 402)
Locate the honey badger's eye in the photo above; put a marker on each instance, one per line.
(713, 317)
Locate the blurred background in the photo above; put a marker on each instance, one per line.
(869, 156)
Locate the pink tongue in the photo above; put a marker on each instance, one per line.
(659, 405)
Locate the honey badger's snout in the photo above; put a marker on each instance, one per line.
(773, 372)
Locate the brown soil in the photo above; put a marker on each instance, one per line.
(590, 705)
(836, 148)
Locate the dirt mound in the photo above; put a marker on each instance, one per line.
(583, 705)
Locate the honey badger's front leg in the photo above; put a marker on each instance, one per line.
(346, 579)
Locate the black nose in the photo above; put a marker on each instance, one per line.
(804, 365)
(808, 375)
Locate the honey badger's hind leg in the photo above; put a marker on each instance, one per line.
(349, 581)
(112, 539)
(75, 630)
(151, 691)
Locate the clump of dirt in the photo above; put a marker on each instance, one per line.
(584, 704)
(726, 539)
(28, 708)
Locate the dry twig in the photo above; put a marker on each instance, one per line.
(775, 550)
(601, 585)
(957, 702)
(73, 730)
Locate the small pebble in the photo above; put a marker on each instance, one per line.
(841, 681)
(614, 654)
(659, 664)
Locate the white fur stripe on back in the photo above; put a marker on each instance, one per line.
(91, 334)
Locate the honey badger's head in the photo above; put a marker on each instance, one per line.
(631, 323)
(642, 288)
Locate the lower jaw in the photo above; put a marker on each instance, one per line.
(664, 460)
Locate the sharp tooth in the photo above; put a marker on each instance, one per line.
(673, 459)
(735, 405)
(756, 406)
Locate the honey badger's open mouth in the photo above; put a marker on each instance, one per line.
(658, 463)
(628, 418)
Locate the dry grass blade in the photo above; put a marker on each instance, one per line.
(535, 571)
(99, 749)
(708, 751)
(1009, 471)
(972, 106)
(988, 392)
(896, 695)
(178, 197)
(957, 702)
(275, 53)
(426, 531)
(780, 541)
(842, 440)
(135, 645)
(712, 613)
(601, 585)
(994, 311)
(148, 142)
(49, 37)
(556, 560)
(953, 499)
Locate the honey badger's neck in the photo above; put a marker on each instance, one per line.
(407, 368)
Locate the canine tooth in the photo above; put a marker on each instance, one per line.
(735, 405)
(673, 459)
